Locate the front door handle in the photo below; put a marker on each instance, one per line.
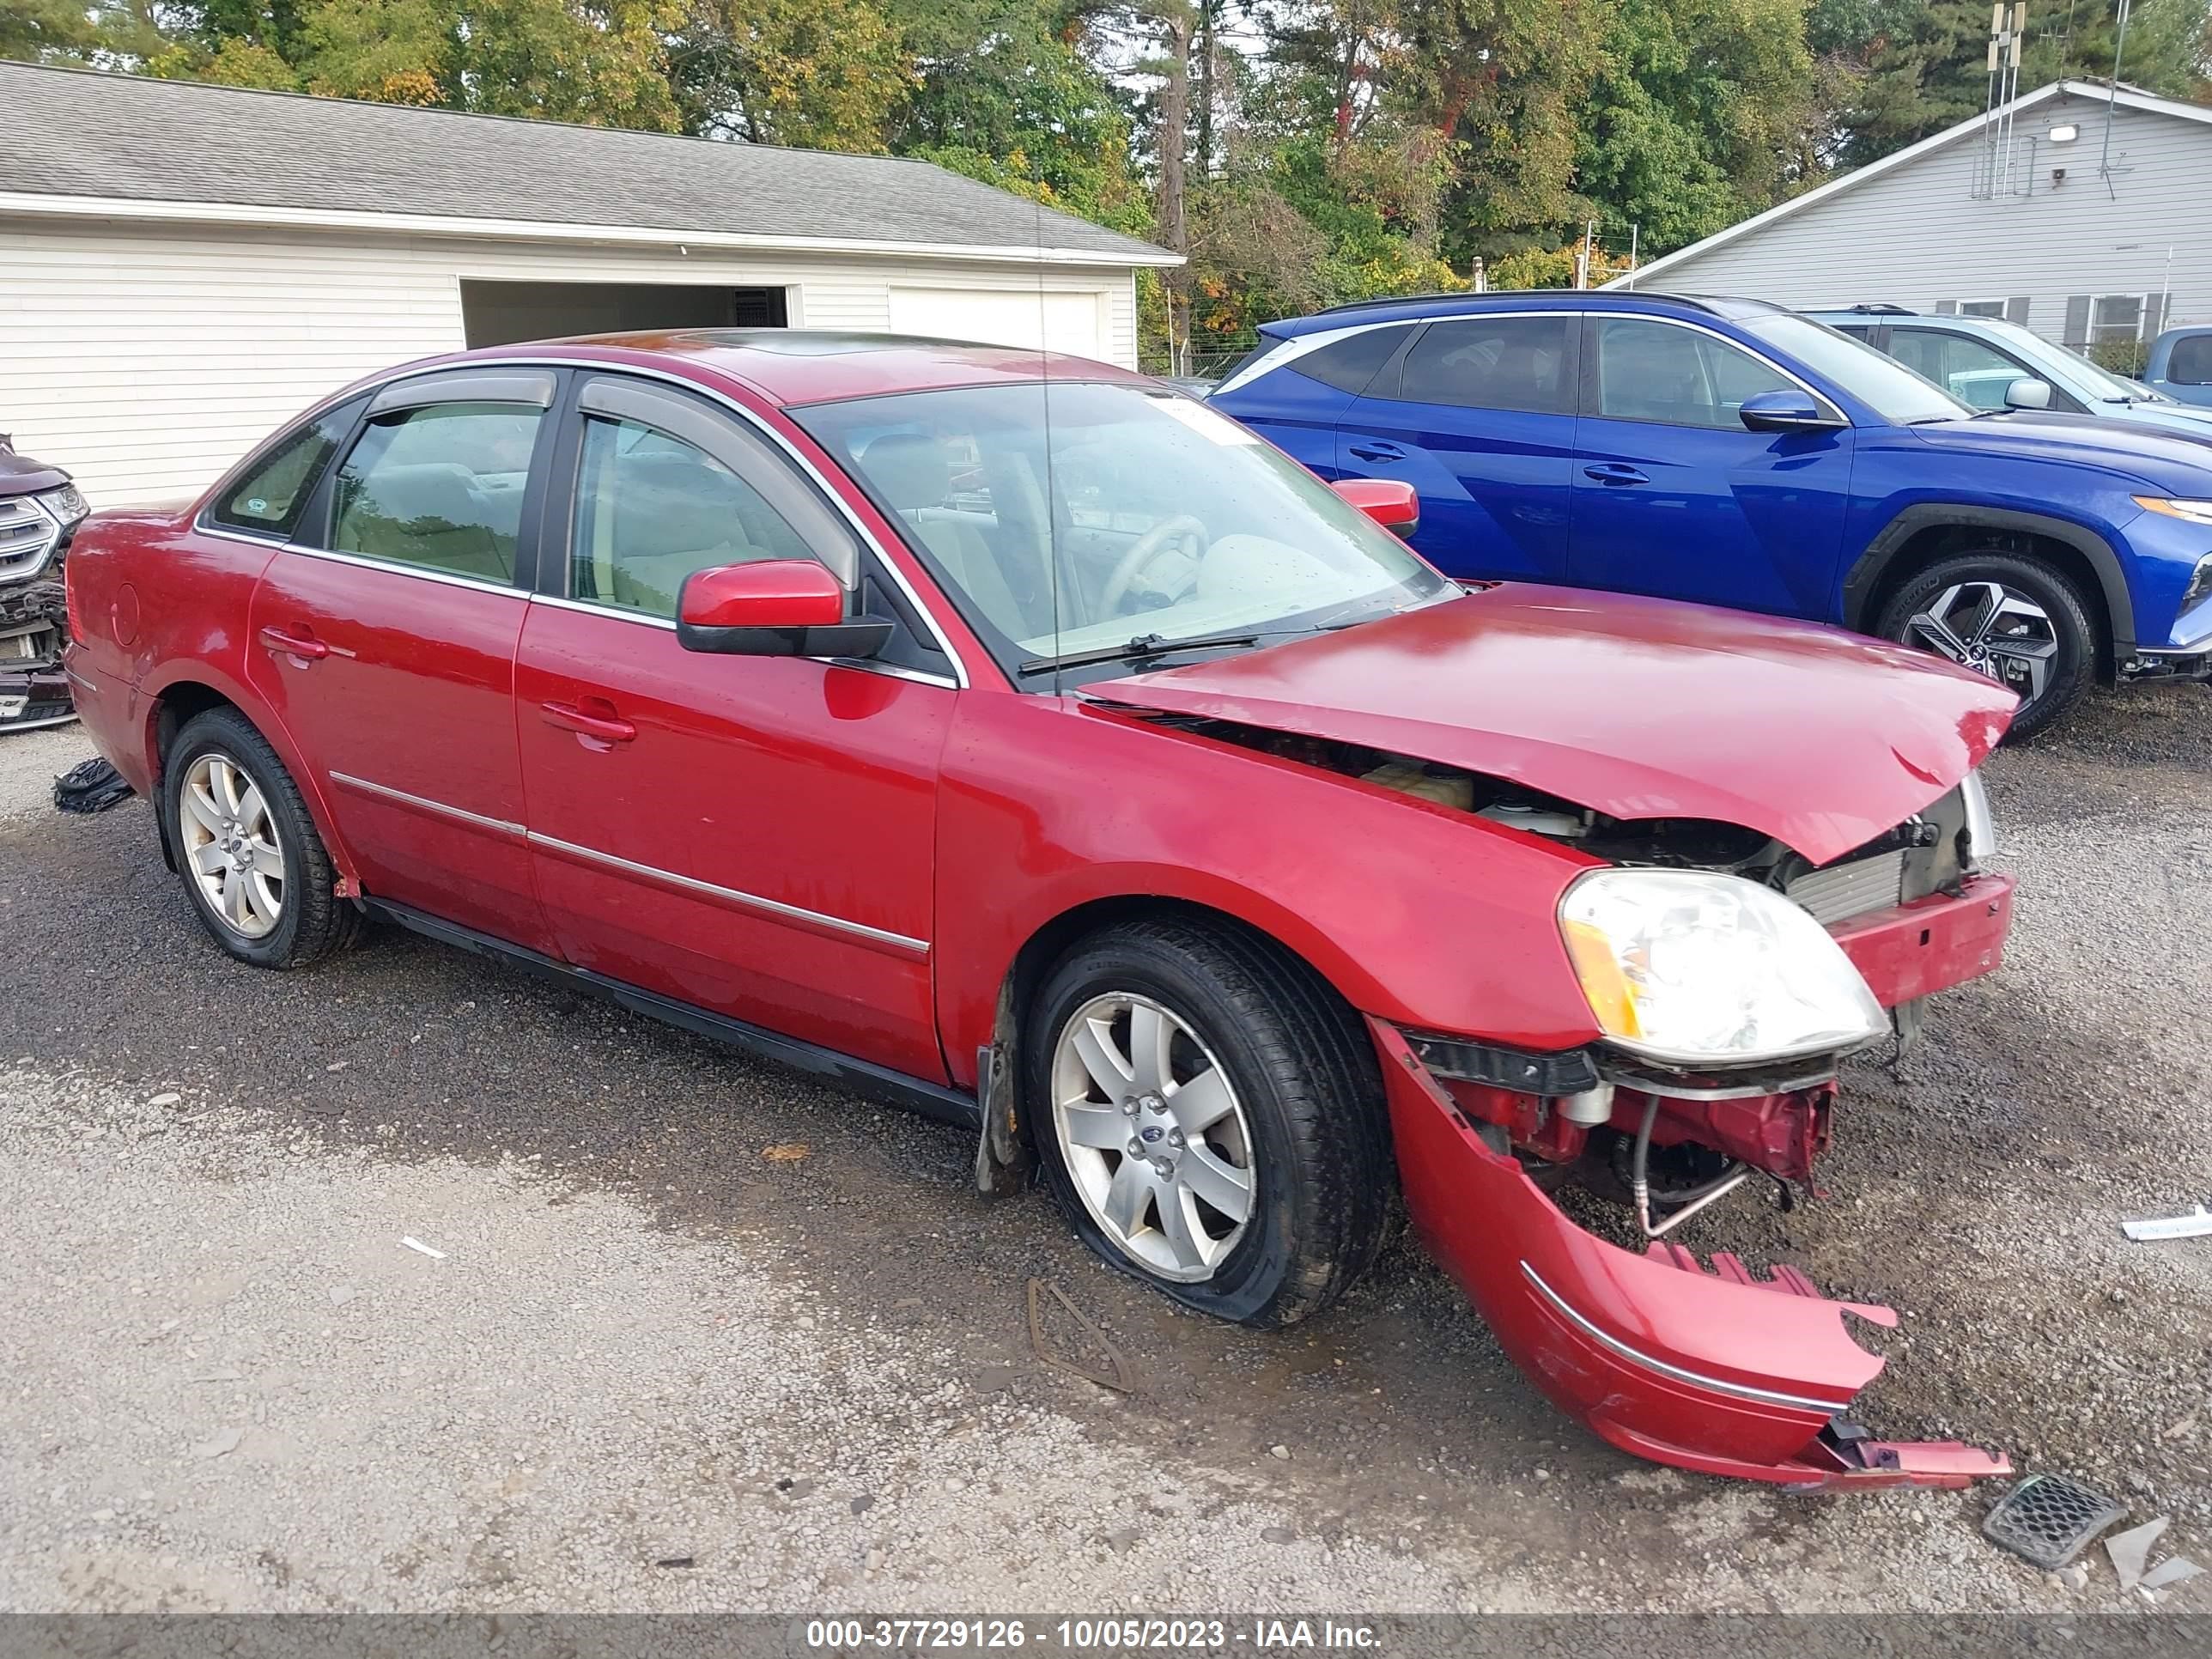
(303, 648)
(1614, 472)
(1377, 451)
(589, 722)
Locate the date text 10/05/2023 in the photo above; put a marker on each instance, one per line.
(1187, 1635)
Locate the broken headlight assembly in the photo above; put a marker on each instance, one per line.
(1693, 967)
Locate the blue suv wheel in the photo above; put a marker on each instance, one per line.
(2018, 622)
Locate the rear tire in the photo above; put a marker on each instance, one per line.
(2006, 615)
(1278, 1094)
(258, 874)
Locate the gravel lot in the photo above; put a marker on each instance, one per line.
(234, 1387)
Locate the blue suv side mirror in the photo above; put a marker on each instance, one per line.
(1787, 411)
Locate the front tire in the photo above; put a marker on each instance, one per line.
(258, 876)
(1209, 1116)
(2011, 617)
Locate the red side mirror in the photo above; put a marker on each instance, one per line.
(777, 607)
(772, 594)
(1391, 502)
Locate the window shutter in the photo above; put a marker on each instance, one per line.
(1947, 308)
(2017, 309)
(2155, 314)
(2077, 321)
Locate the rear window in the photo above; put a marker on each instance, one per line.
(1493, 362)
(1350, 363)
(271, 493)
(2190, 363)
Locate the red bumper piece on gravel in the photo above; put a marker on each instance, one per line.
(1713, 1370)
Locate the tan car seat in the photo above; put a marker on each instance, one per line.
(915, 473)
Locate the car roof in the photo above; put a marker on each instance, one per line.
(793, 366)
(1414, 308)
(1867, 316)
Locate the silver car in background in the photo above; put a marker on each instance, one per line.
(1995, 364)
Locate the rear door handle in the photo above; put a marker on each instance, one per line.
(305, 648)
(587, 723)
(1377, 451)
(1614, 472)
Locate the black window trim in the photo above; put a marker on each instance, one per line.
(535, 388)
(611, 396)
(427, 389)
(1395, 367)
(204, 522)
(1587, 404)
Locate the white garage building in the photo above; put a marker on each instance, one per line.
(183, 267)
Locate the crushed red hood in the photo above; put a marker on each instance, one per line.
(1637, 708)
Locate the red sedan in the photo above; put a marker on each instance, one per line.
(1019, 740)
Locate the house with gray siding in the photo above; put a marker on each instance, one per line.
(2091, 238)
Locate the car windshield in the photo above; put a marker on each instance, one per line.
(1075, 518)
(1883, 384)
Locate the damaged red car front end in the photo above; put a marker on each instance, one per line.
(1716, 1370)
(1874, 828)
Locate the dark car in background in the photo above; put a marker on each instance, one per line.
(39, 510)
(1995, 364)
(1729, 452)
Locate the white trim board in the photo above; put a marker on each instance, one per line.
(131, 210)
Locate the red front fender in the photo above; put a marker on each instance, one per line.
(1717, 1371)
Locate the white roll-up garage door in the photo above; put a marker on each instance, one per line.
(1058, 322)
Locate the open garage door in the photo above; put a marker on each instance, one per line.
(500, 313)
(1058, 322)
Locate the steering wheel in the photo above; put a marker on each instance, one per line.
(1149, 547)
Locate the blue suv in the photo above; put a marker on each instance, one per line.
(1731, 453)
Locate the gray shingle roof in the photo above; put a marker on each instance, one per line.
(73, 132)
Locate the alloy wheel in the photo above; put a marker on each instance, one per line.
(1154, 1134)
(1993, 629)
(231, 846)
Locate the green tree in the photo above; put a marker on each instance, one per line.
(819, 74)
(1505, 82)
(1914, 67)
(597, 62)
(1697, 115)
(45, 31)
(999, 95)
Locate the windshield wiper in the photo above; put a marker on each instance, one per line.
(1139, 649)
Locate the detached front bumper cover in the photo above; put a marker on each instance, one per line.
(1713, 1370)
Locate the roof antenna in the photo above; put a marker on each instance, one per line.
(1051, 525)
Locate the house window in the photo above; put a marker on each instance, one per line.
(1982, 308)
(2115, 319)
